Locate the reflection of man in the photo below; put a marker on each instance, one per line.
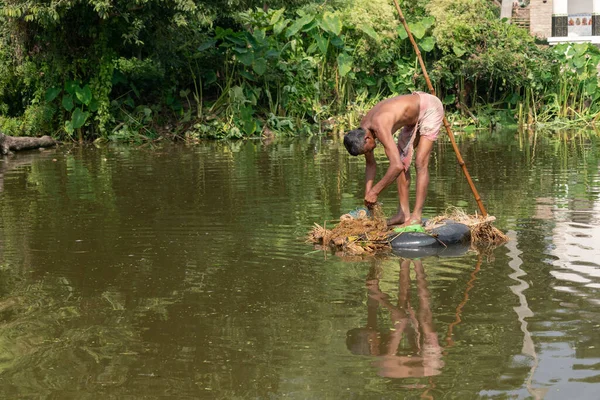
(424, 356)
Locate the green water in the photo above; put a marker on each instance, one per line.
(182, 272)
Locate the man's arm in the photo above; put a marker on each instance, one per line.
(384, 135)
(370, 171)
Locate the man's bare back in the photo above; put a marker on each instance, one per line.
(394, 113)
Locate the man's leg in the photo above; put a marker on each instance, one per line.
(422, 167)
(403, 183)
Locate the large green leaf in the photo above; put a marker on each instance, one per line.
(69, 127)
(79, 117)
(276, 17)
(94, 105)
(298, 24)
(236, 94)
(71, 86)
(331, 23)
(235, 40)
(67, 102)
(246, 112)
(322, 42)
(220, 33)
(591, 87)
(84, 94)
(52, 93)
(580, 48)
(246, 57)
(578, 62)
(369, 31)
(449, 99)
(207, 45)
(402, 32)
(247, 75)
(428, 22)
(210, 77)
(310, 26)
(459, 50)
(417, 29)
(259, 37)
(337, 41)
(260, 66)
(249, 126)
(427, 44)
(369, 81)
(280, 26)
(344, 63)
(272, 54)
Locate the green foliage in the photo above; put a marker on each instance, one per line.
(36, 120)
(477, 48)
(301, 69)
(119, 70)
(76, 100)
(578, 91)
(483, 61)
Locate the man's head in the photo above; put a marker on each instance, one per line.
(359, 142)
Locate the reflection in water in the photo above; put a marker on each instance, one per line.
(523, 311)
(577, 238)
(15, 161)
(410, 347)
(179, 271)
(566, 329)
(465, 299)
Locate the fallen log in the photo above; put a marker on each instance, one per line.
(13, 143)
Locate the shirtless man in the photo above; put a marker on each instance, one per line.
(420, 116)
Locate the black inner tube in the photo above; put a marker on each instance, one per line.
(450, 233)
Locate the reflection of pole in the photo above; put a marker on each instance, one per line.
(523, 311)
(461, 162)
(470, 285)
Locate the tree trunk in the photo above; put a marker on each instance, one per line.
(11, 143)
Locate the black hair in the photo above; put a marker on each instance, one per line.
(355, 141)
(358, 341)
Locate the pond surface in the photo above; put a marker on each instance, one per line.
(182, 272)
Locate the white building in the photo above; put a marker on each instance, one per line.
(561, 20)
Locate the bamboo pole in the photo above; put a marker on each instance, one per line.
(446, 124)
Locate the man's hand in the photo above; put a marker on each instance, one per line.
(370, 199)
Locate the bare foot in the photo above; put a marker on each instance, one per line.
(412, 221)
(396, 219)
